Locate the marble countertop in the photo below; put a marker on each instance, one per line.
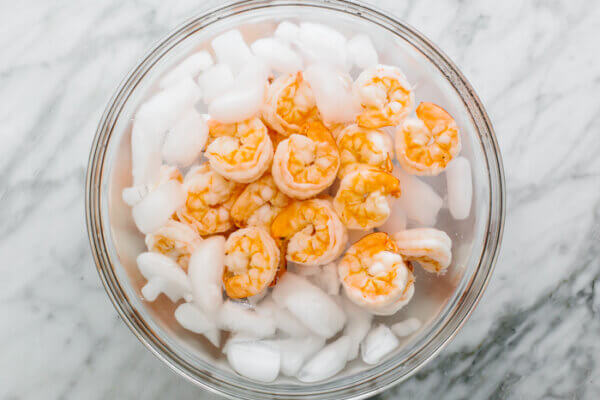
(534, 335)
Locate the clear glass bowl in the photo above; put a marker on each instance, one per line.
(442, 304)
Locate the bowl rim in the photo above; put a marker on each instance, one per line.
(96, 166)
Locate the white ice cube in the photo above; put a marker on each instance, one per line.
(165, 108)
(287, 32)
(193, 319)
(295, 351)
(236, 317)
(361, 51)
(379, 343)
(150, 124)
(277, 55)
(231, 49)
(164, 276)
(205, 270)
(313, 307)
(327, 279)
(304, 270)
(246, 98)
(254, 360)
(406, 327)
(215, 81)
(418, 199)
(188, 68)
(154, 210)
(460, 187)
(284, 320)
(186, 139)
(357, 327)
(322, 44)
(134, 194)
(397, 219)
(327, 362)
(333, 93)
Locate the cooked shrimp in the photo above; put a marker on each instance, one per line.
(209, 200)
(362, 201)
(426, 145)
(375, 276)
(385, 95)
(259, 203)
(241, 151)
(366, 146)
(312, 230)
(305, 165)
(175, 240)
(251, 262)
(289, 105)
(431, 248)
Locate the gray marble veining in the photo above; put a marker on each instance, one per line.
(534, 335)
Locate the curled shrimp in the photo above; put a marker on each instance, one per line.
(251, 262)
(385, 95)
(426, 145)
(289, 105)
(241, 151)
(375, 276)
(259, 203)
(209, 200)
(175, 240)
(362, 200)
(312, 230)
(305, 165)
(431, 248)
(366, 146)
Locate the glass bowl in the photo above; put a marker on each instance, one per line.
(442, 303)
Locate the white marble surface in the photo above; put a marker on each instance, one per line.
(534, 335)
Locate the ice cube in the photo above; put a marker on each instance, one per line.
(205, 270)
(215, 80)
(254, 360)
(231, 49)
(333, 93)
(150, 124)
(304, 270)
(188, 68)
(327, 279)
(418, 199)
(460, 187)
(246, 98)
(165, 108)
(284, 320)
(193, 319)
(357, 327)
(406, 327)
(186, 139)
(397, 219)
(146, 160)
(237, 105)
(313, 307)
(361, 51)
(379, 343)
(327, 362)
(322, 44)
(164, 276)
(287, 32)
(277, 55)
(134, 194)
(154, 210)
(236, 317)
(295, 351)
